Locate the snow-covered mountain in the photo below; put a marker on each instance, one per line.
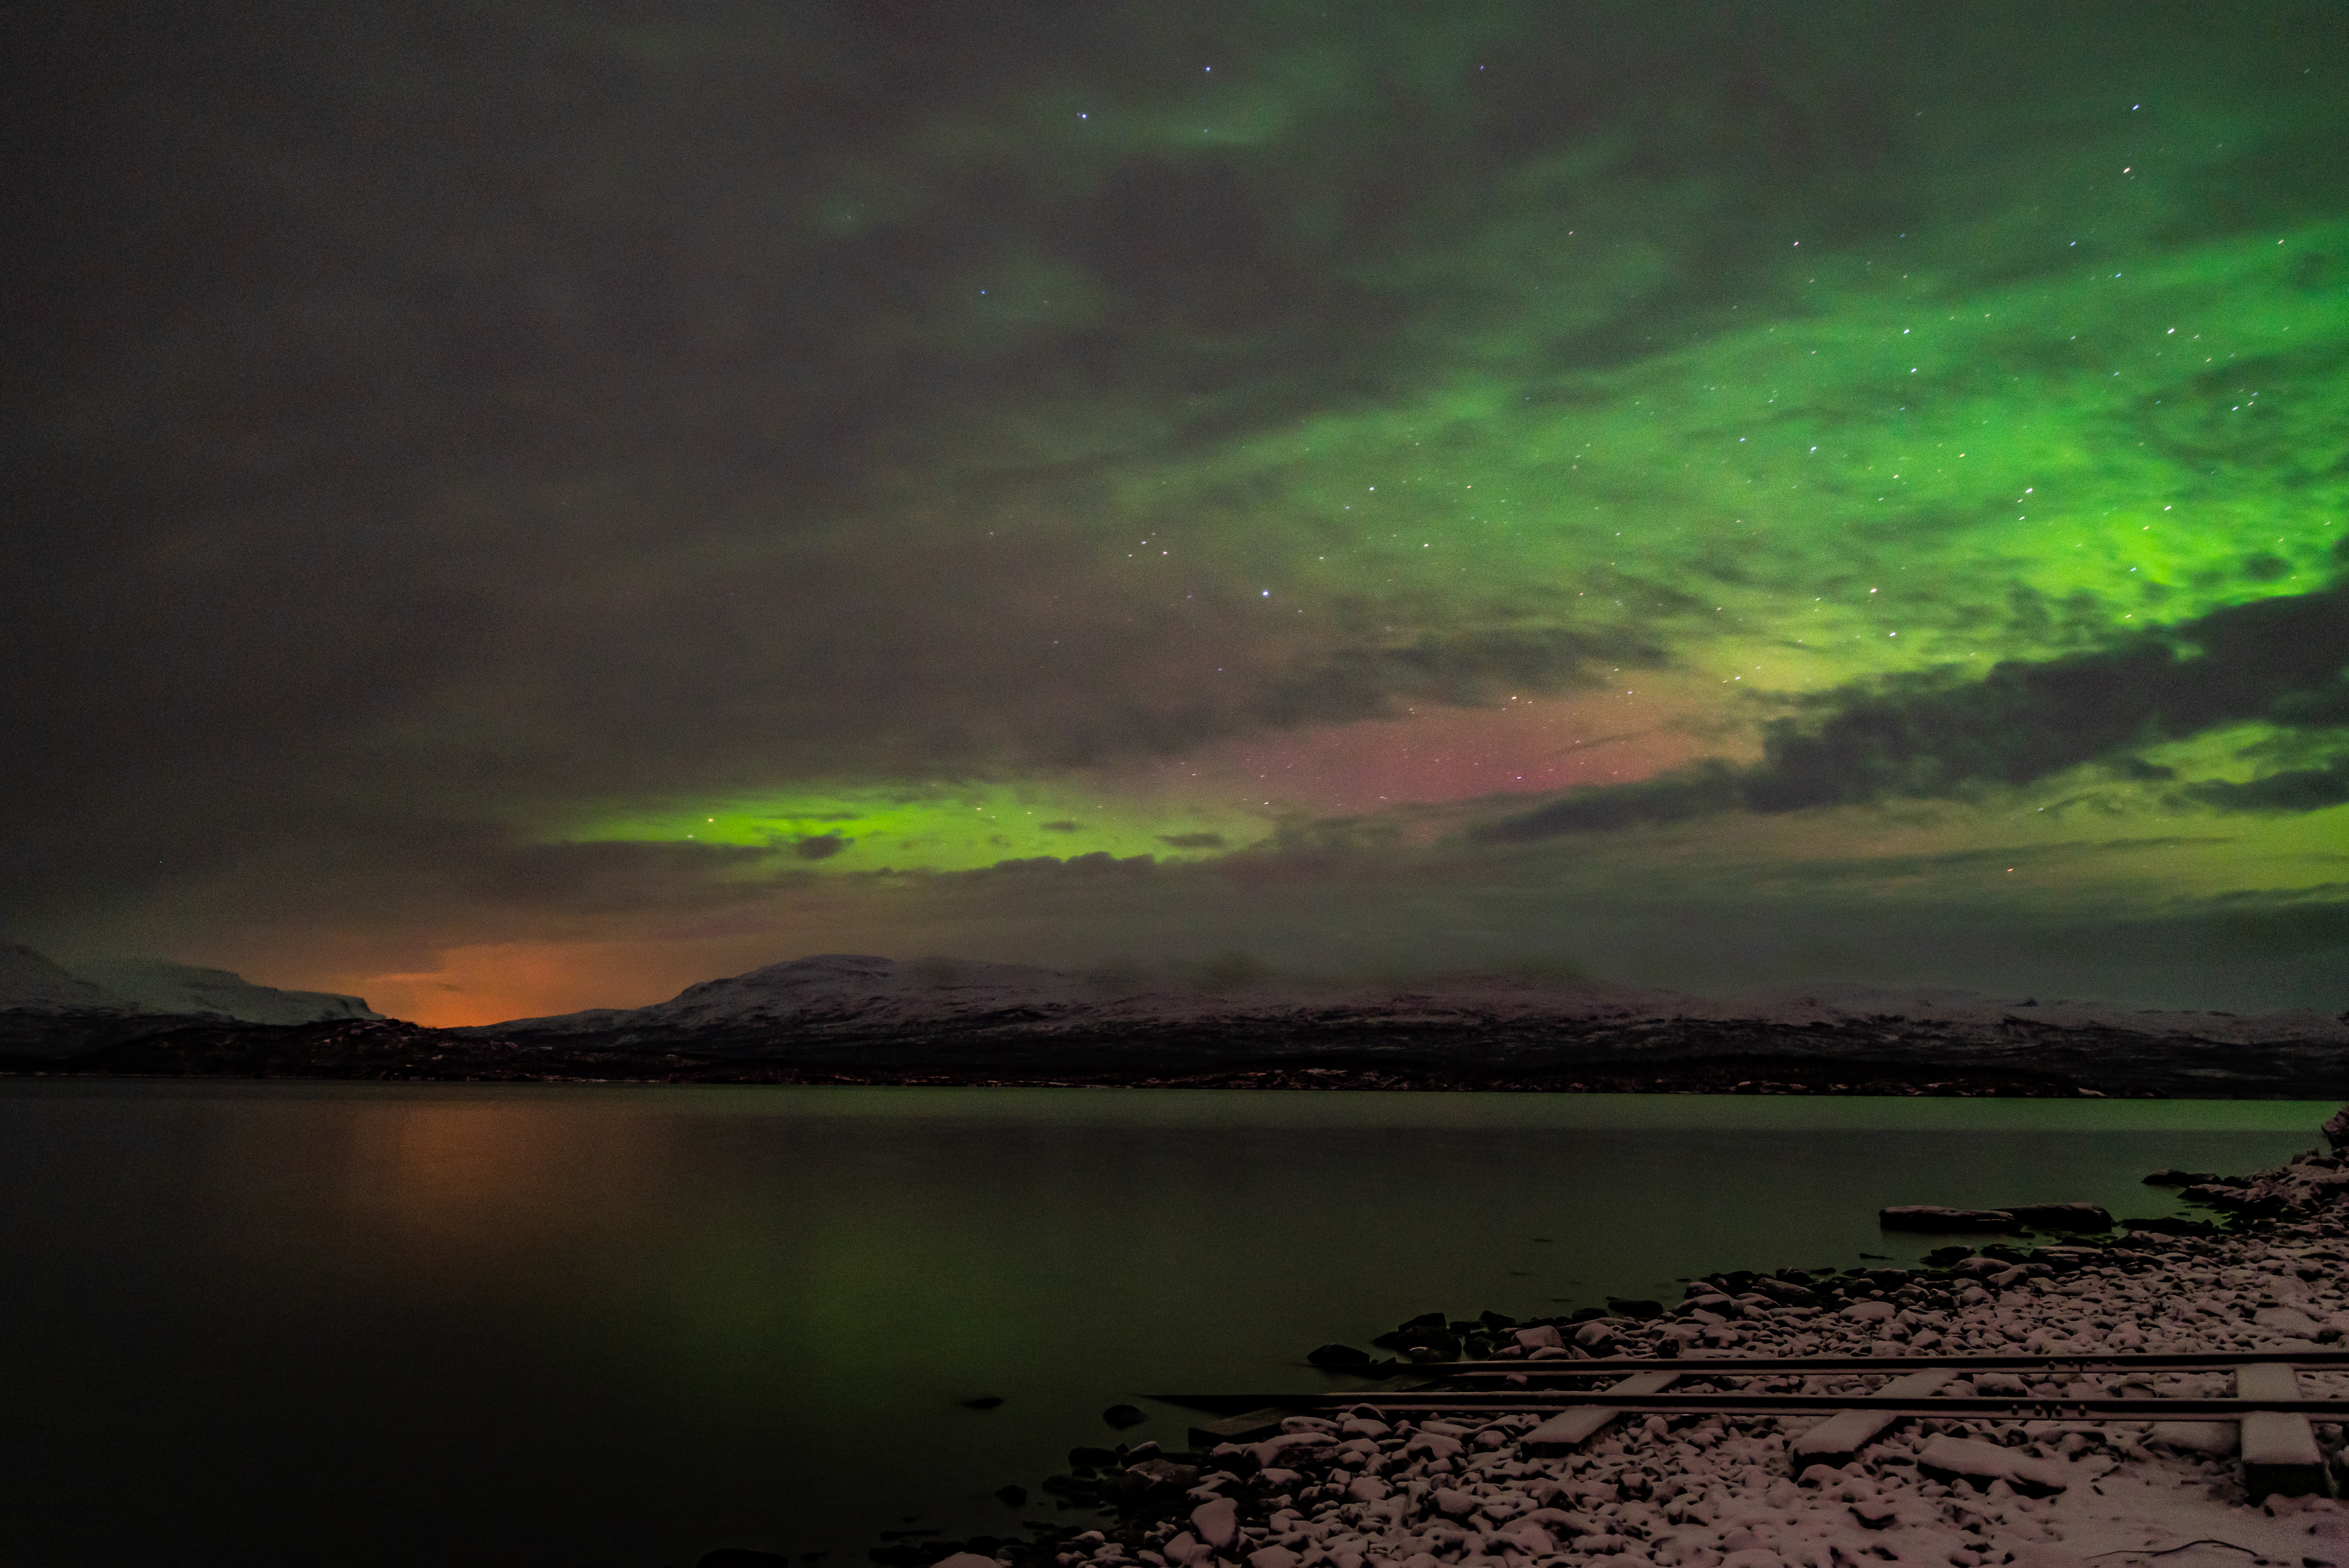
(32, 983)
(159, 985)
(839, 996)
(836, 994)
(35, 988)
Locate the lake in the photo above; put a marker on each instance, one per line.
(270, 1323)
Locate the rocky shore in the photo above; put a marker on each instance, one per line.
(1368, 1485)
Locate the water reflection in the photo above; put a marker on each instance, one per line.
(489, 1175)
(476, 1326)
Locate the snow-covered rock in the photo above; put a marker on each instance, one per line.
(1217, 1521)
(1949, 1458)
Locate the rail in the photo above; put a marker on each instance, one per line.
(2279, 1447)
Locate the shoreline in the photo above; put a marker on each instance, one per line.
(1741, 1079)
(1878, 1056)
(1368, 1488)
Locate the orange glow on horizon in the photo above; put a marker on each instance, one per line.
(492, 983)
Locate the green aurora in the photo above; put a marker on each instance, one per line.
(1899, 477)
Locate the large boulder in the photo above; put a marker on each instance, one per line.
(1218, 1520)
(1598, 1337)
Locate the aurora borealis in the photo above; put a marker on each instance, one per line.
(529, 505)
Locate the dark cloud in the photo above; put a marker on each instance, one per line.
(1053, 870)
(1880, 870)
(2291, 925)
(2316, 896)
(2281, 661)
(609, 877)
(1193, 841)
(821, 847)
(1952, 918)
(2294, 790)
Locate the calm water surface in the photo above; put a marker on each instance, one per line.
(268, 1323)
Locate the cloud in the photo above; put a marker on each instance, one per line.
(2281, 661)
(2297, 789)
(1193, 841)
(1880, 870)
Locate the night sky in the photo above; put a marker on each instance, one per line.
(516, 505)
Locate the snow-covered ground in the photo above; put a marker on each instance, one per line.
(1720, 1491)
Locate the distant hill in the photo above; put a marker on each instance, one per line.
(159, 985)
(48, 1009)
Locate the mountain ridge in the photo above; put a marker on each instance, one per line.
(45, 1007)
(848, 1018)
(843, 993)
